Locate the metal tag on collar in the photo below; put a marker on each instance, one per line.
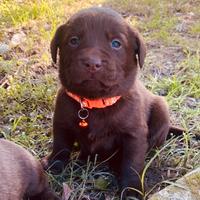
(83, 114)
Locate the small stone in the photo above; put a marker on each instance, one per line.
(191, 102)
(17, 39)
(47, 27)
(182, 27)
(4, 48)
(186, 188)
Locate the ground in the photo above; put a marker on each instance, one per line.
(28, 84)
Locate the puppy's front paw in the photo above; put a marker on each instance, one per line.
(131, 194)
(54, 166)
(131, 187)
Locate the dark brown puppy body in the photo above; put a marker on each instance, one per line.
(99, 58)
(21, 176)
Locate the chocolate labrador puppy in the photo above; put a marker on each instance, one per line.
(21, 176)
(102, 105)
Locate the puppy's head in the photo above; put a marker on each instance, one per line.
(99, 53)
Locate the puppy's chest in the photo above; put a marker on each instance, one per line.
(100, 134)
(99, 145)
(105, 127)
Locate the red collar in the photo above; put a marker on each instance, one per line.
(94, 103)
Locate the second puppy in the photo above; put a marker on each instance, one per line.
(21, 175)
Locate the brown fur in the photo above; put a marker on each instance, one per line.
(21, 176)
(92, 69)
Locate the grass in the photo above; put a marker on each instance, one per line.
(171, 69)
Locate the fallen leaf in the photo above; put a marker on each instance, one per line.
(101, 183)
(66, 192)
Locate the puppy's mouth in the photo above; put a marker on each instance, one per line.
(90, 84)
(91, 88)
(94, 82)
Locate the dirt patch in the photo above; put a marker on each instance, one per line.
(161, 61)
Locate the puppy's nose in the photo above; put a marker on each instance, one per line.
(92, 64)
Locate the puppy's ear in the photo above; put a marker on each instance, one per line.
(55, 42)
(139, 46)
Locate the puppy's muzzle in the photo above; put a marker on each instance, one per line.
(92, 60)
(91, 63)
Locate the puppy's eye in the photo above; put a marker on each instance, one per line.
(74, 41)
(116, 44)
